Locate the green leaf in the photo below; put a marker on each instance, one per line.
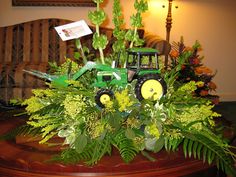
(129, 35)
(204, 153)
(86, 49)
(185, 145)
(78, 43)
(114, 120)
(97, 17)
(213, 148)
(99, 41)
(150, 143)
(125, 146)
(129, 133)
(80, 143)
(77, 55)
(209, 157)
(190, 144)
(159, 144)
(195, 146)
(145, 154)
(21, 130)
(199, 149)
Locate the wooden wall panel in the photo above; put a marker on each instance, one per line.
(62, 45)
(26, 43)
(35, 42)
(45, 41)
(1, 44)
(8, 47)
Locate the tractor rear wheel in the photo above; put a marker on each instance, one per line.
(150, 86)
(103, 96)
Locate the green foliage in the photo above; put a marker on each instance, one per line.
(64, 68)
(81, 51)
(203, 146)
(180, 117)
(99, 41)
(172, 143)
(97, 18)
(141, 6)
(125, 146)
(21, 130)
(130, 126)
(193, 68)
(92, 152)
(119, 33)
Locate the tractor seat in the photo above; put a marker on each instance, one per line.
(131, 74)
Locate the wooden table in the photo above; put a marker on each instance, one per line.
(30, 159)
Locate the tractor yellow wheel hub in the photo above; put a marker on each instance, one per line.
(152, 89)
(105, 98)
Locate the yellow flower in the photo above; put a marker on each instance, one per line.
(200, 84)
(109, 106)
(123, 100)
(153, 130)
(74, 104)
(96, 129)
(33, 104)
(133, 122)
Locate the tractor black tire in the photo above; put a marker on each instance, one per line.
(103, 95)
(144, 82)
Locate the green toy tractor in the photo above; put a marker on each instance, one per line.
(141, 65)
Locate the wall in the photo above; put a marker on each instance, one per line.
(212, 22)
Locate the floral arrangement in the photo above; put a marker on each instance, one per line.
(194, 70)
(179, 118)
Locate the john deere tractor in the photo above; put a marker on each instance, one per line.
(141, 65)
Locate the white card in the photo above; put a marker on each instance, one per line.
(73, 30)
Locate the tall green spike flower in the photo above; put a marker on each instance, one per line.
(97, 17)
(141, 6)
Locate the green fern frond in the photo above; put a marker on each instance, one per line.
(125, 146)
(71, 156)
(50, 109)
(207, 149)
(21, 130)
(171, 144)
(101, 148)
(91, 154)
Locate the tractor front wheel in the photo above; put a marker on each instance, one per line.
(150, 86)
(103, 96)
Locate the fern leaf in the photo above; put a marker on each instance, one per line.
(195, 146)
(100, 149)
(199, 149)
(190, 144)
(172, 143)
(212, 157)
(209, 157)
(71, 156)
(21, 130)
(125, 146)
(224, 161)
(204, 153)
(176, 143)
(185, 147)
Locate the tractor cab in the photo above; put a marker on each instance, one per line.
(142, 58)
(141, 61)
